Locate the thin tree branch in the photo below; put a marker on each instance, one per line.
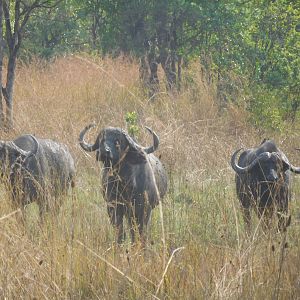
(7, 23)
(27, 11)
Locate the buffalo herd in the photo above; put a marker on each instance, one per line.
(134, 180)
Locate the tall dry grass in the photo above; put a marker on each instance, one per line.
(207, 254)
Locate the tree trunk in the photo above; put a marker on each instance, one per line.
(294, 109)
(13, 40)
(8, 90)
(14, 30)
(153, 80)
(168, 65)
(144, 71)
(1, 63)
(179, 77)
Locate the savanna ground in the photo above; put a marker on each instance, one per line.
(197, 247)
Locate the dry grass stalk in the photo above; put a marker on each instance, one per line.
(166, 269)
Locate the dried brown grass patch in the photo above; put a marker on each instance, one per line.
(201, 213)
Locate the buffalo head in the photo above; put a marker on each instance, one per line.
(11, 154)
(113, 144)
(267, 166)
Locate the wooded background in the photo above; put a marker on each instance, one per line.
(248, 49)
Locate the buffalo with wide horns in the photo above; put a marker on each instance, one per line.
(263, 182)
(37, 170)
(133, 179)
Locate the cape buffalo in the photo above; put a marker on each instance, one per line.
(36, 169)
(133, 179)
(262, 182)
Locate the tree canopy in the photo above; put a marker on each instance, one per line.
(257, 41)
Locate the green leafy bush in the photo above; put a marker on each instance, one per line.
(131, 121)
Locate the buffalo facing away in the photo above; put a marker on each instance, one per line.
(133, 179)
(37, 170)
(262, 182)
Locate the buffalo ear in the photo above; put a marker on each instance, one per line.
(135, 153)
(285, 165)
(285, 162)
(135, 156)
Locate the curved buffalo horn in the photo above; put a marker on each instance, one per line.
(289, 166)
(36, 148)
(85, 146)
(243, 170)
(292, 168)
(24, 152)
(147, 150)
(152, 148)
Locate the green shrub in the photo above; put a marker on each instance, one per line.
(131, 121)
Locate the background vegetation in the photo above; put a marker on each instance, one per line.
(249, 50)
(208, 77)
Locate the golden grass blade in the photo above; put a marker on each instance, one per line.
(166, 269)
(10, 214)
(163, 233)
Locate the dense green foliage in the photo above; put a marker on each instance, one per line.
(248, 49)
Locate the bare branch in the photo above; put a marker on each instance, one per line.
(7, 22)
(35, 5)
(17, 17)
(44, 4)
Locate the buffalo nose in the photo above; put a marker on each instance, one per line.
(272, 177)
